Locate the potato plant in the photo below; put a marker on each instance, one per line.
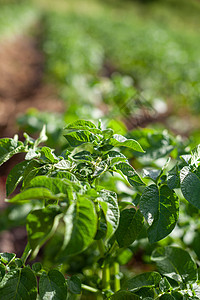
(70, 198)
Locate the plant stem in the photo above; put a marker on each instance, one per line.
(106, 277)
(26, 253)
(101, 247)
(116, 277)
(113, 248)
(89, 288)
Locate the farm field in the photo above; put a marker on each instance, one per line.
(99, 149)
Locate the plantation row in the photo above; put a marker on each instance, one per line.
(71, 205)
(108, 192)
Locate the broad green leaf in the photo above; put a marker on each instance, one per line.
(129, 171)
(124, 295)
(83, 156)
(34, 194)
(173, 180)
(130, 225)
(83, 125)
(63, 165)
(164, 285)
(149, 279)
(109, 205)
(177, 295)
(167, 297)
(107, 133)
(15, 177)
(115, 157)
(19, 284)
(55, 185)
(8, 148)
(6, 257)
(144, 292)
(48, 153)
(18, 262)
(65, 175)
(160, 207)
(41, 224)
(52, 286)
(77, 138)
(80, 226)
(119, 140)
(74, 285)
(190, 186)
(37, 267)
(175, 263)
(33, 169)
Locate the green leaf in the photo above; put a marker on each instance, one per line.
(149, 279)
(48, 153)
(19, 284)
(8, 148)
(167, 297)
(80, 226)
(15, 177)
(190, 186)
(63, 165)
(83, 156)
(7, 258)
(177, 295)
(160, 207)
(33, 194)
(129, 171)
(124, 295)
(55, 185)
(41, 224)
(81, 124)
(74, 285)
(107, 133)
(175, 263)
(173, 180)
(119, 140)
(109, 205)
(164, 285)
(52, 286)
(77, 138)
(33, 169)
(37, 267)
(115, 157)
(130, 225)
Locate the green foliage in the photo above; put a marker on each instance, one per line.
(76, 208)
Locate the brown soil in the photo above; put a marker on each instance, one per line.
(21, 87)
(21, 84)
